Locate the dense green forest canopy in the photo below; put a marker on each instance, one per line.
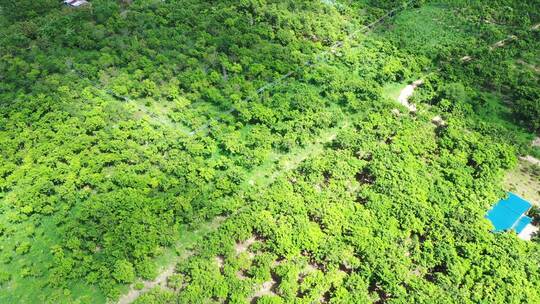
(252, 148)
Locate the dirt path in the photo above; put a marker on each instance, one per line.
(403, 99)
(190, 237)
(503, 42)
(523, 181)
(161, 280)
(407, 92)
(530, 159)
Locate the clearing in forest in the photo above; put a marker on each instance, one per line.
(524, 180)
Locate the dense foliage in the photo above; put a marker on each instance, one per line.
(379, 216)
(498, 61)
(124, 125)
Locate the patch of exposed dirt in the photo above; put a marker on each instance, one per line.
(311, 267)
(416, 272)
(438, 121)
(267, 289)
(161, 281)
(241, 274)
(220, 261)
(531, 159)
(406, 94)
(503, 42)
(530, 66)
(536, 142)
(243, 246)
(277, 262)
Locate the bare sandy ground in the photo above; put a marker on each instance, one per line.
(243, 246)
(531, 159)
(407, 92)
(265, 290)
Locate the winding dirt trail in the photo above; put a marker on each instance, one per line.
(406, 94)
(408, 91)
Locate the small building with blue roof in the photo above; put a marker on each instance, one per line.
(510, 214)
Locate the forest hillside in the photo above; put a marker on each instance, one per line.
(267, 151)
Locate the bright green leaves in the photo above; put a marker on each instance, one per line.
(123, 271)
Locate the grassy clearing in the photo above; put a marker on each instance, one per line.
(392, 90)
(493, 115)
(280, 163)
(524, 180)
(27, 286)
(27, 271)
(432, 28)
(427, 30)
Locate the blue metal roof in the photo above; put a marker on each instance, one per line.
(522, 223)
(509, 214)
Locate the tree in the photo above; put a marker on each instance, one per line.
(123, 271)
